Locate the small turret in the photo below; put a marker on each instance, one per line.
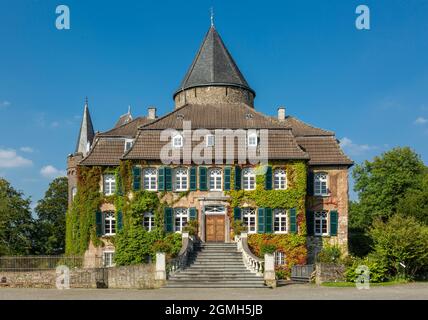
(86, 133)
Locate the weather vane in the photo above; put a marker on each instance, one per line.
(212, 16)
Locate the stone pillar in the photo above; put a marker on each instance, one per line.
(269, 274)
(160, 276)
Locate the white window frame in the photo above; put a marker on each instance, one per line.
(181, 218)
(281, 214)
(249, 179)
(320, 181)
(148, 221)
(109, 184)
(177, 141)
(181, 179)
(279, 258)
(252, 139)
(108, 263)
(130, 143)
(280, 179)
(109, 223)
(210, 140)
(249, 218)
(321, 217)
(73, 193)
(150, 179)
(214, 209)
(215, 179)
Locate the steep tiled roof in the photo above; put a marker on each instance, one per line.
(215, 116)
(129, 129)
(213, 66)
(301, 128)
(324, 150)
(106, 152)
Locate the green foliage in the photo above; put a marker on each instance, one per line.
(80, 219)
(415, 202)
(378, 270)
(49, 235)
(330, 254)
(238, 227)
(16, 223)
(192, 227)
(268, 248)
(401, 239)
(382, 182)
(359, 243)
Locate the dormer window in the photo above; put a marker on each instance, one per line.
(252, 140)
(128, 144)
(210, 140)
(177, 141)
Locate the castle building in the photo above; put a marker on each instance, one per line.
(302, 189)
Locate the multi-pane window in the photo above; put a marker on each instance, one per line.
(148, 221)
(109, 184)
(210, 140)
(252, 140)
(108, 258)
(181, 177)
(279, 258)
(177, 141)
(215, 179)
(109, 223)
(249, 219)
(280, 221)
(249, 179)
(181, 218)
(320, 184)
(128, 144)
(280, 179)
(320, 224)
(150, 179)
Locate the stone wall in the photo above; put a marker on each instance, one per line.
(128, 277)
(329, 273)
(214, 95)
(72, 162)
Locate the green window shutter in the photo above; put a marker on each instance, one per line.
(227, 172)
(310, 223)
(268, 179)
(99, 223)
(193, 213)
(161, 179)
(268, 220)
(237, 213)
(168, 217)
(119, 222)
(237, 181)
(310, 183)
(136, 174)
(261, 220)
(333, 222)
(168, 179)
(293, 221)
(203, 179)
(193, 185)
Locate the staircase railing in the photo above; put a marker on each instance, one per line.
(181, 261)
(253, 263)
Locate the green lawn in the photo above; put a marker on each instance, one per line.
(352, 284)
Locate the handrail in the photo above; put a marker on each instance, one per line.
(181, 261)
(252, 262)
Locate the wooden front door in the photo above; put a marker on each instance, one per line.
(214, 226)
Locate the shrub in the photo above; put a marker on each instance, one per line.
(330, 254)
(377, 269)
(192, 227)
(269, 248)
(238, 227)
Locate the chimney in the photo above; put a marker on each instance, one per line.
(281, 113)
(152, 113)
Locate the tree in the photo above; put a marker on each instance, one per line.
(383, 182)
(401, 244)
(16, 222)
(49, 238)
(415, 202)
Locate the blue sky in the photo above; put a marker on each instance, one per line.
(370, 87)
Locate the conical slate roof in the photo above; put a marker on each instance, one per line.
(213, 66)
(86, 133)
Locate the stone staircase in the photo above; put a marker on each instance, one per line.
(215, 265)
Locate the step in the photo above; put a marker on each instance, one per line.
(217, 285)
(218, 277)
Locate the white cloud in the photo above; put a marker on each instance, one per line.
(4, 104)
(10, 159)
(51, 172)
(353, 148)
(27, 149)
(421, 120)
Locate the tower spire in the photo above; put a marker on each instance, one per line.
(212, 17)
(86, 133)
